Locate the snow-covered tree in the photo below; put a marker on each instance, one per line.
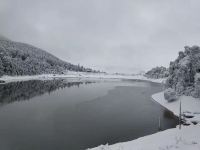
(183, 70)
(23, 59)
(157, 72)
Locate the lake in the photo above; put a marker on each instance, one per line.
(78, 114)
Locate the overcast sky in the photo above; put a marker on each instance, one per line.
(111, 35)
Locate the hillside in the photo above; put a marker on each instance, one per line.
(23, 59)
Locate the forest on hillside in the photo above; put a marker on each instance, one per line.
(23, 59)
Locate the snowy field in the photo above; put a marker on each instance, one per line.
(80, 75)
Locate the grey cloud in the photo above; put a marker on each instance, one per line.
(113, 35)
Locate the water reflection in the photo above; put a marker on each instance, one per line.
(79, 117)
(25, 90)
(169, 115)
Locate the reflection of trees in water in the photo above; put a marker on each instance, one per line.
(168, 114)
(171, 120)
(18, 91)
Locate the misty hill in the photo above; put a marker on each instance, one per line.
(23, 59)
(157, 72)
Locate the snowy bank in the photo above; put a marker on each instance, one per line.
(188, 138)
(190, 107)
(80, 75)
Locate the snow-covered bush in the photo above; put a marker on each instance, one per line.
(157, 72)
(170, 95)
(183, 70)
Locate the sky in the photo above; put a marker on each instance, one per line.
(125, 36)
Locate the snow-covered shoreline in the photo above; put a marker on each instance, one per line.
(190, 107)
(188, 138)
(172, 139)
(80, 75)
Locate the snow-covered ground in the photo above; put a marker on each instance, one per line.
(190, 107)
(188, 138)
(77, 75)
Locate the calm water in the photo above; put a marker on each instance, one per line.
(74, 115)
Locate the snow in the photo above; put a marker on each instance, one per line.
(189, 105)
(184, 61)
(172, 139)
(197, 76)
(82, 75)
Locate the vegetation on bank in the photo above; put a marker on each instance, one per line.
(23, 59)
(184, 72)
(183, 75)
(157, 73)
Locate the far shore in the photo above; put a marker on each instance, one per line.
(80, 75)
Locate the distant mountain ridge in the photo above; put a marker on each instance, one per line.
(23, 59)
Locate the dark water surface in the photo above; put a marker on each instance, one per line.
(74, 115)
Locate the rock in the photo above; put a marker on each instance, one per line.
(170, 95)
